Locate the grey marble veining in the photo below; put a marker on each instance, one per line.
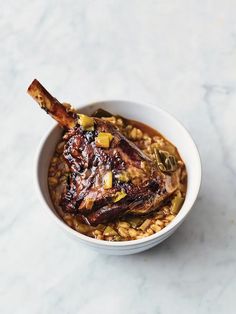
(180, 55)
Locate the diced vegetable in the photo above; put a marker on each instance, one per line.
(119, 195)
(103, 139)
(107, 180)
(177, 202)
(165, 161)
(109, 231)
(86, 122)
(123, 176)
(158, 160)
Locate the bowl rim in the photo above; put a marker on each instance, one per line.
(102, 243)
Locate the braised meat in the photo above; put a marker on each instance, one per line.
(109, 176)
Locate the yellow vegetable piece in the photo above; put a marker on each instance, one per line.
(107, 180)
(103, 139)
(109, 231)
(119, 195)
(177, 203)
(123, 176)
(86, 122)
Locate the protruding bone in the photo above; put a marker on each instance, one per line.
(51, 105)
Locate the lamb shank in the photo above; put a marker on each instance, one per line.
(109, 175)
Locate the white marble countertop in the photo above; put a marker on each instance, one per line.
(180, 55)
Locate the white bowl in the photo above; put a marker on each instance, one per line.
(159, 120)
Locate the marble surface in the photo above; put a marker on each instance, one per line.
(180, 55)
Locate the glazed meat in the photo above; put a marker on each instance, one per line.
(143, 185)
(109, 176)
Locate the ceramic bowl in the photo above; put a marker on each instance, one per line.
(157, 119)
